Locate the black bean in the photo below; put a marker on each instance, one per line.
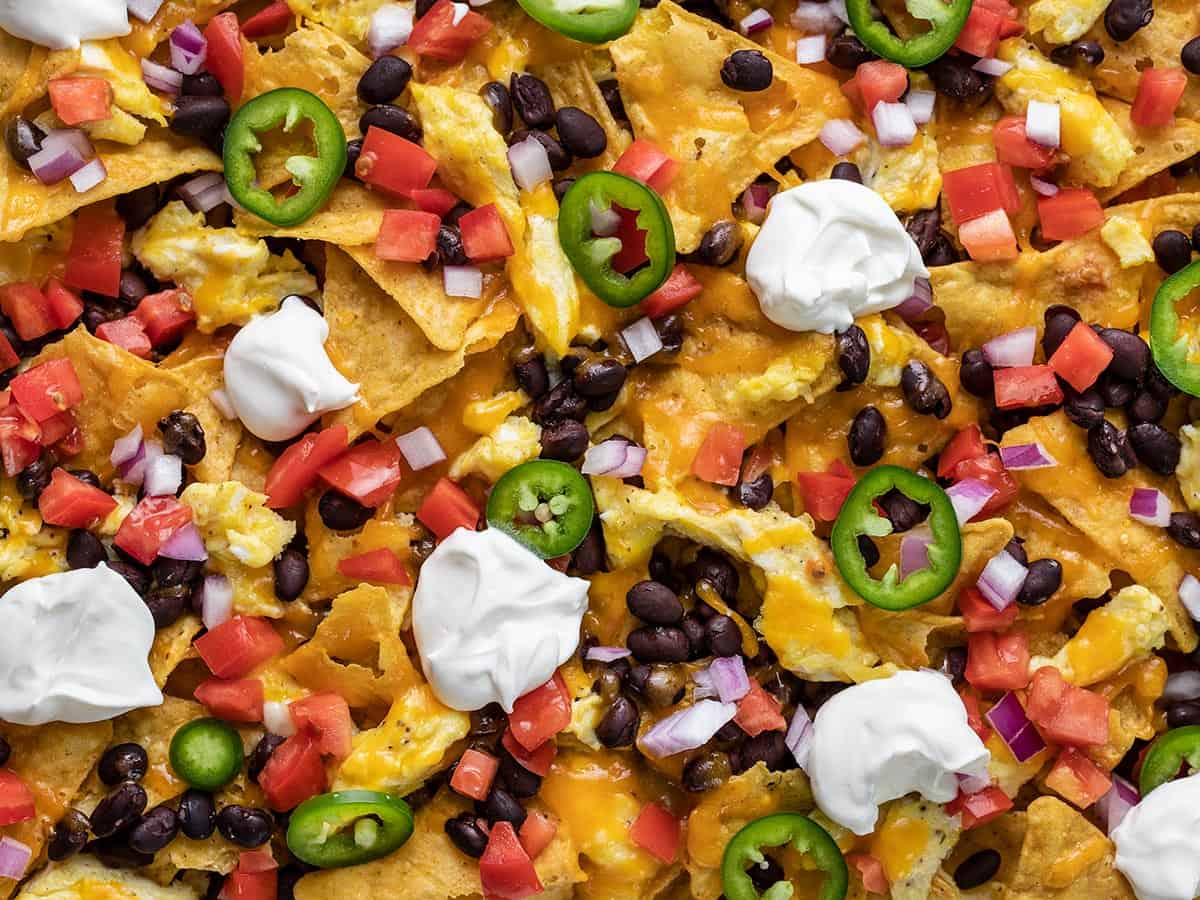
(598, 377)
(197, 814)
(610, 90)
(590, 556)
(1158, 385)
(124, 762)
(766, 873)
(342, 513)
(942, 252)
(1044, 578)
(1114, 391)
(657, 643)
(1184, 527)
(978, 868)
(532, 376)
(693, 627)
(137, 577)
(706, 771)
(389, 117)
(1089, 53)
(158, 828)
(5, 751)
(531, 99)
(466, 834)
(183, 435)
(723, 636)
(619, 725)
(729, 736)
(954, 77)
(200, 117)
(23, 139)
(171, 572)
(768, 748)
(495, 95)
(202, 84)
(655, 603)
(560, 402)
(132, 287)
(1182, 714)
(245, 826)
(1060, 321)
(747, 70)
(353, 152)
(69, 837)
(901, 510)
(1172, 250)
(923, 227)
(119, 809)
(870, 553)
(1156, 448)
(1106, 446)
(261, 755)
(662, 685)
(1125, 18)
(87, 476)
(450, 251)
(167, 603)
(35, 478)
(291, 574)
(566, 440)
(560, 158)
(712, 566)
(867, 435)
(720, 244)
(975, 374)
(755, 494)
(670, 332)
(423, 6)
(853, 354)
(846, 51)
(847, 171)
(1131, 356)
(384, 80)
(1190, 56)
(580, 133)
(517, 779)
(1145, 407)
(924, 391)
(114, 851)
(501, 806)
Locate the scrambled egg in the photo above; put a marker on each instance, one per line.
(236, 524)
(891, 349)
(1188, 470)
(1063, 21)
(86, 878)
(915, 836)
(1125, 237)
(484, 416)
(231, 277)
(27, 547)
(788, 378)
(1130, 625)
(515, 440)
(907, 178)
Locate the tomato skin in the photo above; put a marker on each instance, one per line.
(447, 507)
(8, 355)
(474, 774)
(823, 493)
(998, 662)
(226, 56)
(82, 99)
(541, 714)
(296, 468)
(975, 719)
(165, 316)
(28, 309)
(758, 711)
(977, 190)
(676, 292)
(880, 81)
(47, 390)
(979, 615)
(657, 831)
(150, 525)
(1158, 94)
(128, 334)
(538, 760)
(989, 238)
(438, 201)
(1070, 213)
(1081, 357)
(484, 236)
(392, 164)
(407, 235)
(71, 503)
(719, 459)
(505, 869)
(981, 35)
(16, 800)
(94, 260)
(327, 717)
(20, 436)
(435, 34)
(966, 444)
(293, 773)
(644, 161)
(1014, 148)
(979, 809)
(63, 304)
(990, 470)
(537, 831)
(270, 20)
(235, 647)
(874, 878)
(1077, 778)
(1064, 713)
(232, 700)
(243, 885)
(380, 566)
(368, 472)
(1026, 386)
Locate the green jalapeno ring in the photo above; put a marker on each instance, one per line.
(1167, 345)
(206, 753)
(348, 828)
(858, 517)
(776, 830)
(315, 176)
(594, 22)
(543, 504)
(946, 21)
(1167, 754)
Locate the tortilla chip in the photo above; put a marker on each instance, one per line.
(724, 139)
(203, 375)
(351, 218)
(1155, 149)
(1132, 694)
(84, 876)
(571, 84)
(349, 18)
(1065, 857)
(172, 645)
(1005, 835)
(145, 36)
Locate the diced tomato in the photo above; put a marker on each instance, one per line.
(272, 19)
(438, 201)
(823, 493)
(81, 99)
(255, 878)
(327, 717)
(633, 242)
(474, 774)
(1077, 778)
(975, 191)
(57, 427)
(998, 662)
(979, 615)
(719, 459)
(989, 238)
(979, 809)
(71, 444)
(484, 236)
(435, 34)
(981, 35)
(166, 316)
(20, 437)
(1158, 94)
(870, 869)
(645, 162)
(541, 714)
(296, 469)
(966, 444)
(1019, 386)
(16, 800)
(293, 773)
(759, 711)
(989, 469)
(657, 830)
(94, 260)
(128, 334)
(680, 287)
(46, 390)
(446, 508)
(880, 81)
(151, 524)
(538, 760)
(257, 860)
(28, 309)
(505, 869)
(975, 719)
(1070, 213)
(1081, 357)
(226, 56)
(1064, 713)
(8, 355)
(235, 647)
(64, 304)
(407, 235)
(392, 164)
(379, 566)
(368, 472)
(238, 700)
(71, 503)
(1014, 148)
(537, 831)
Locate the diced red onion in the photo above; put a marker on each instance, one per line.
(64, 152)
(759, 20)
(391, 26)
(1116, 804)
(1027, 456)
(220, 399)
(815, 18)
(811, 50)
(841, 136)
(530, 163)
(993, 67)
(642, 339)
(1043, 187)
(278, 718)
(919, 303)
(189, 48)
(968, 497)
(1012, 724)
(460, 13)
(1016, 348)
(1001, 580)
(920, 104)
(838, 8)
(164, 475)
(894, 125)
(1043, 123)
(973, 784)
(704, 685)
(127, 450)
(799, 737)
(462, 281)
(135, 473)
(754, 202)
(216, 600)
(1150, 507)
(204, 192)
(420, 449)
(914, 551)
(604, 457)
(161, 78)
(730, 678)
(687, 729)
(1189, 595)
(605, 222)
(89, 176)
(185, 544)
(635, 458)
(606, 654)
(1182, 686)
(14, 858)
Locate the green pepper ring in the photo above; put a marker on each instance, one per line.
(547, 479)
(1169, 348)
(920, 50)
(206, 753)
(310, 839)
(595, 27)
(316, 176)
(1168, 752)
(775, 831)
(858, 517)
(591, 257)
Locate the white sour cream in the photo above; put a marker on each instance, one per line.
(278, 376)
(830, 251)
(492, 621)
(1158, 842)
(63, 24)
(73, 648)
(880, 740)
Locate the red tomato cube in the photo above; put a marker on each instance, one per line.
(880, 81)
(1064, 713)
(645, 162)
(392, 164)
(71, 503)
(758, 711)
(657, 831)
(64, 305)
(474, 774)
(998, 662)
(676, 292)
(380, 566)
(505, 869)
(1081, 357)
(327, 717)
(979, 809)
(294, 773)
(368, 472)
(978, 190)
(94, 260)
(484, 236)
(407, 235)
(979, 615)
(234, 701)
(446, 508)
(537, 832)
(1158, 95)
(47, 390)
(237, 646)
(1077, 779)
(541, 714)
(1014, 148)
(128, 334)
(28, 309)
(436, 35)
(166, 316)
(82, 99)
(16, 800)
(152, 523)
(1019, 386)
(1070, 213)
(719, 459)
(226, 56)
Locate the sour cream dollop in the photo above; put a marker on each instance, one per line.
(492, 621)
(278, 376)
(62, 24)
(74, 648)
(830, 251)
(880, 740)
(1158, 842)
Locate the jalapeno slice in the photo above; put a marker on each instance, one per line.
(590, 21)
(206, 753)
(1171, 350)
(546, 505)
(347, 828)
(804, 835)
(592, 256)
(946, 22)
(315, 176)
(858, 517)
(1167, 755)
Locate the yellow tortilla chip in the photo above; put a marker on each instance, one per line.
(145, 36)
(28, 70)
(1132, 694)
(1004, 835)
(172, 645)
(1155, 149)
(203, 375)
(349, 18)
(541, 276)
(1065, 857)
(351, 218)
(84, 877)
(571, 84)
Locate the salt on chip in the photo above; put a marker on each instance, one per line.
(1065, 857)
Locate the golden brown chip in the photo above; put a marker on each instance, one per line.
(571, 84)
(172, 645)
(34, 256)
(27, 70)
(1064, 857)
(1156, 149)
(84, 876)
(1132, 694)
(351, 218)
(222, 436)
(145, 36)
(1004, 835)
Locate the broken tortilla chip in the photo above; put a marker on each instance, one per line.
(1065, 857)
